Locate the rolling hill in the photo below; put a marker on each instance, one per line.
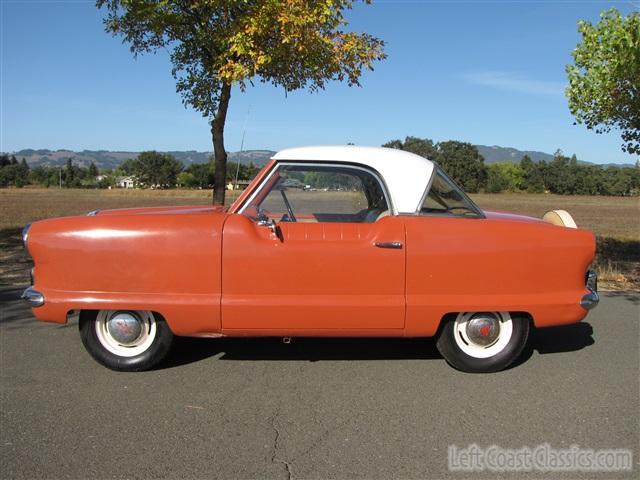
(105, 159)
(496, 154)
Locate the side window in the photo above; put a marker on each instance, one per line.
(446, 198)
(320, 193)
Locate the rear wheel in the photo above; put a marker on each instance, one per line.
(125, 340)
(483, 341)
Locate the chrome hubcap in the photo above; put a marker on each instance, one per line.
(482, 334)
(125, 327)
(125, 333)
(483, 329)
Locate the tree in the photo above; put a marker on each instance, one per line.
(217, 44)
(69, 174)
(22, 174)
(504, 176)
(496, 179)
(93, 171)
(561, 178)
(420, 146)
(44, 175)
(202, 174)
(186, 179)
(604, 82)
(463, 163)
(532, 175)
(127, 167)
(156, 169)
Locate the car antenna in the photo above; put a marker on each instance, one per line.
(244, 131)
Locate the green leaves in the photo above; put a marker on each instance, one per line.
(604, 81)
(154, 169)
(290, 43)
(215, 44)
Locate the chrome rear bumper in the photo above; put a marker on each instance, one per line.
(591, 299)
(33, 297)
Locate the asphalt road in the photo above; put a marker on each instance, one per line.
(340, 408)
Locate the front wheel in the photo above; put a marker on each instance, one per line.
(125, 340)
(483, 341)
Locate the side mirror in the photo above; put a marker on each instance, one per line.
(264, 221)
(269, 223)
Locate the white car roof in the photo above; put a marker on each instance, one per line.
(405, 174)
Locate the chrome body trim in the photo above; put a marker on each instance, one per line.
(591, 299)
(93, 213)
(388, 244)
(592, 280)
(33, 297)
(25, 234)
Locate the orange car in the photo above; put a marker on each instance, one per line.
(326, 241)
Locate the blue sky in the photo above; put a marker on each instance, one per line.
(486, 72)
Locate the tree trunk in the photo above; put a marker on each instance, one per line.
(219, 152)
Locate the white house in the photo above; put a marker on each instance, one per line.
(125, 182)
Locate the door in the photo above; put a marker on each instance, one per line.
(315, 249)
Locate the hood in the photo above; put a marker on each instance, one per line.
(181, 210)
(511, 217)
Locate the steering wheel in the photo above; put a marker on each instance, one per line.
(292, 217)
(261, 214)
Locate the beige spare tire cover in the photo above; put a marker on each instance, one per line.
(561, 218)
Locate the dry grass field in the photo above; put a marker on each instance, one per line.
(614, 220)
(615, 217)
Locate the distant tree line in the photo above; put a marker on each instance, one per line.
(562, 175)
(150, 169)
(201, 175)
(462, 161)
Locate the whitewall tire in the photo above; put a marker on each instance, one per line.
(483, 341)
(125, 340)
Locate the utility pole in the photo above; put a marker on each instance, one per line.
(60, 177)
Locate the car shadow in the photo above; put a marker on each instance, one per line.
(189, 350)
(566, 338)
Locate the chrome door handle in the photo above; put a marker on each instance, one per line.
(388, 244)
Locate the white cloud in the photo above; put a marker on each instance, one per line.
(511, 82)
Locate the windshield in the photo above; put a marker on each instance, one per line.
(446, 198)
(320, 193)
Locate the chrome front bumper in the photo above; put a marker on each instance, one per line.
(33, 297)
(591, 299)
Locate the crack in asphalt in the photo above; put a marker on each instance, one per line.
(273, 422)
(276, 439)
